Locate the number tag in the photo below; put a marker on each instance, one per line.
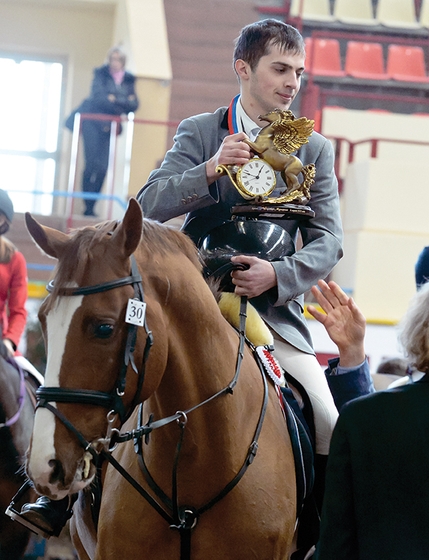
(136, 311)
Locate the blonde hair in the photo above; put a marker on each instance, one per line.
(7, 250)
(414, 330)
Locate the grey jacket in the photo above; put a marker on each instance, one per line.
(179, 186)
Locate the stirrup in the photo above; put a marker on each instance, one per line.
(16, 516)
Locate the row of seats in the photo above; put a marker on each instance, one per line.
(390, 13)
(366, 61)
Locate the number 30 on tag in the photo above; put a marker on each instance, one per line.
(136, 311)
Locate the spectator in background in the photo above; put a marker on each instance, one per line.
(13, 282)
(112, 93)
(422, 267)
(377, 490)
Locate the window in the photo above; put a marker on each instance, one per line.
(30, 100)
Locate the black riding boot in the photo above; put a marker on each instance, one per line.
(45, 517)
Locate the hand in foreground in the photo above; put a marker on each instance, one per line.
(258, 278)
(343, 321)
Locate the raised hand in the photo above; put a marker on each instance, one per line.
(343, 321)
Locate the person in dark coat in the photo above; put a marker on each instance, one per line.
(422, 267)
(377, 490)
(112, 93)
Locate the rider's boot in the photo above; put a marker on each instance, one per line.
(44, 517)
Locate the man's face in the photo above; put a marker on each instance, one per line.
(274, 83)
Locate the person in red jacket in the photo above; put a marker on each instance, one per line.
(13, 282)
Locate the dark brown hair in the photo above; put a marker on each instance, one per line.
(256, 39)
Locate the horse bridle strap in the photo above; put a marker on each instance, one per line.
(112, 400)
(96, 288)
(150, 426)
(83, 396)
(184, 518)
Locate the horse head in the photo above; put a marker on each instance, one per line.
(91, 356)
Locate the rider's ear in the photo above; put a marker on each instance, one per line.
(242, 69)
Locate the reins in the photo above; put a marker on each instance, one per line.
(181, 518)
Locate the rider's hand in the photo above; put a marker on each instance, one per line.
(9, 347)
(257, 279)
(232, 151)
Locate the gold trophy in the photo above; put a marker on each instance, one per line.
(256, 179)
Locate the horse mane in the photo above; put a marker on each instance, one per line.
(165, 239)
(156, 239)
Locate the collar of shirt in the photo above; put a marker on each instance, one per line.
(245, 123)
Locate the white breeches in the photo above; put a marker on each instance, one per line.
(306, 369)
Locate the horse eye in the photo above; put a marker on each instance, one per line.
(103, 331)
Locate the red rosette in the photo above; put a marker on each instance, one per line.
(271, 365)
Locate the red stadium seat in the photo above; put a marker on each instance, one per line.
(406, 63)
(365, 61)
(323, 57)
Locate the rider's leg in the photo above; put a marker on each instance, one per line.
(307, 370)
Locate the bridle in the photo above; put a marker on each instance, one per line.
(112, 400)
(185, 518)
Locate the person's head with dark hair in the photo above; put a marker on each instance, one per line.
(257, 39)
(393, 366)
(269, 58)
(422, 268)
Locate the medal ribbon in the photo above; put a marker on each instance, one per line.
(232, 116)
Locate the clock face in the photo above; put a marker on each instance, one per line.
(256, 178)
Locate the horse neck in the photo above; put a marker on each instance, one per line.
(202, 358)
(201, 346)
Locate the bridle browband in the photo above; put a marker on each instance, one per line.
(184, 518)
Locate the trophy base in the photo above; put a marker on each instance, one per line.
(286, 211)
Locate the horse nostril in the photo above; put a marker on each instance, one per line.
(57, 473)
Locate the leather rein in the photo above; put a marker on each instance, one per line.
(182, 518)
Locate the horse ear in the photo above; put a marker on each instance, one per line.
(128, 234)
(48, 239)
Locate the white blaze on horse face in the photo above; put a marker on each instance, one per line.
(58, 321)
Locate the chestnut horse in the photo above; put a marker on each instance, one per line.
(129, 320)
(16, 424)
